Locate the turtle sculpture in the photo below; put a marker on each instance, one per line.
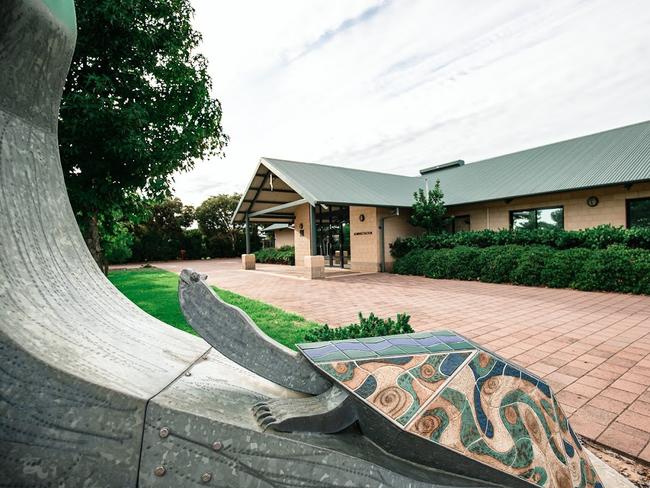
(96, 393)
(433, 398)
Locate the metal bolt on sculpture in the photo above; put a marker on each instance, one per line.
(96, 393)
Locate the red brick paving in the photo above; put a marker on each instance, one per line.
(593, 348)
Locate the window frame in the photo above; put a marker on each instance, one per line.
(627, 209)
(551, 207)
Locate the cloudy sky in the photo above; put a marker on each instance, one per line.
(399, 85)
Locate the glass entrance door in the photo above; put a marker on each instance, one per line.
(333, 235)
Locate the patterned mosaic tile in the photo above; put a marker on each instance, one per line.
(439, 386)
(502, 416)
(397, 387)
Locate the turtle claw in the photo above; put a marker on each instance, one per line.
(259, 406)
(271, 425)
(265, 414)
(327, 413)
(261, 416)
(266, 421)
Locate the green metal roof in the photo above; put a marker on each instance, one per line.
(612, 157)
(616, 156)
(319, 183)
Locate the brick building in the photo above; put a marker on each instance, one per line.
(351, 216)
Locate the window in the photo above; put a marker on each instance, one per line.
(460, 223)
(537, 218)
(638, 212)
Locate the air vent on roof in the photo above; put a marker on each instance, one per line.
(438, 167)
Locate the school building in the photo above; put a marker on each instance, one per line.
(350, 216)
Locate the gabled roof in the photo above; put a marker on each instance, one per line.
(617, 156)
(280, 183)
(320, 183)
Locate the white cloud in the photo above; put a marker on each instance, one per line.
(399, 85)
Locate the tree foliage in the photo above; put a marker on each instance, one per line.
(118, 244)
(214, 219)
(162, 235)
(429, 211)
(170, 217)
(136, 108)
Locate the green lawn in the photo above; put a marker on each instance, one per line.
(155, 291)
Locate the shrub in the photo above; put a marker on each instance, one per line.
(637, 237)
(282, 255)
(411, 263)
(530, 264)
(435, 264)
(220, 246)
(603, 236)
(155, 246)
(594, 238)
(193, 243)
(616, 268)
(561, 268)
(464, 263)
(372, 326)
(497, 262)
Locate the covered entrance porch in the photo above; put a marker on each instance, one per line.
(335, 225)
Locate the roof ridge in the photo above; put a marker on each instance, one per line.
(339, 167)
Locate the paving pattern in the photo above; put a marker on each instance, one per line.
(593, 349)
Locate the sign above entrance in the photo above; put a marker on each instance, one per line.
(366, 233)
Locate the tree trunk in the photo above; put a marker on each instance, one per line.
(93, 241)
(232, 234)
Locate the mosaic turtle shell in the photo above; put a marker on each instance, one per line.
(443, 388)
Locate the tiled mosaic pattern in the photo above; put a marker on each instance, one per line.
(438, 386)
(399, 386)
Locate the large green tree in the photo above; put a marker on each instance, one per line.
(162, 235)
(214, 219)
(136, 108)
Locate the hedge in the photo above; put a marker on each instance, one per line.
(282, 255)
(616, 268)
(593, 238)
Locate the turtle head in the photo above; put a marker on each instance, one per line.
(189, 277)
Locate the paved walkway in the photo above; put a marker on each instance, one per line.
(593, 348)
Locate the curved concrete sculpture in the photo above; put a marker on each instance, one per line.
(96, 393)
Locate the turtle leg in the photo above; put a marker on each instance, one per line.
(326, 413)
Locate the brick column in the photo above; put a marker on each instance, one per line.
(248, 261)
